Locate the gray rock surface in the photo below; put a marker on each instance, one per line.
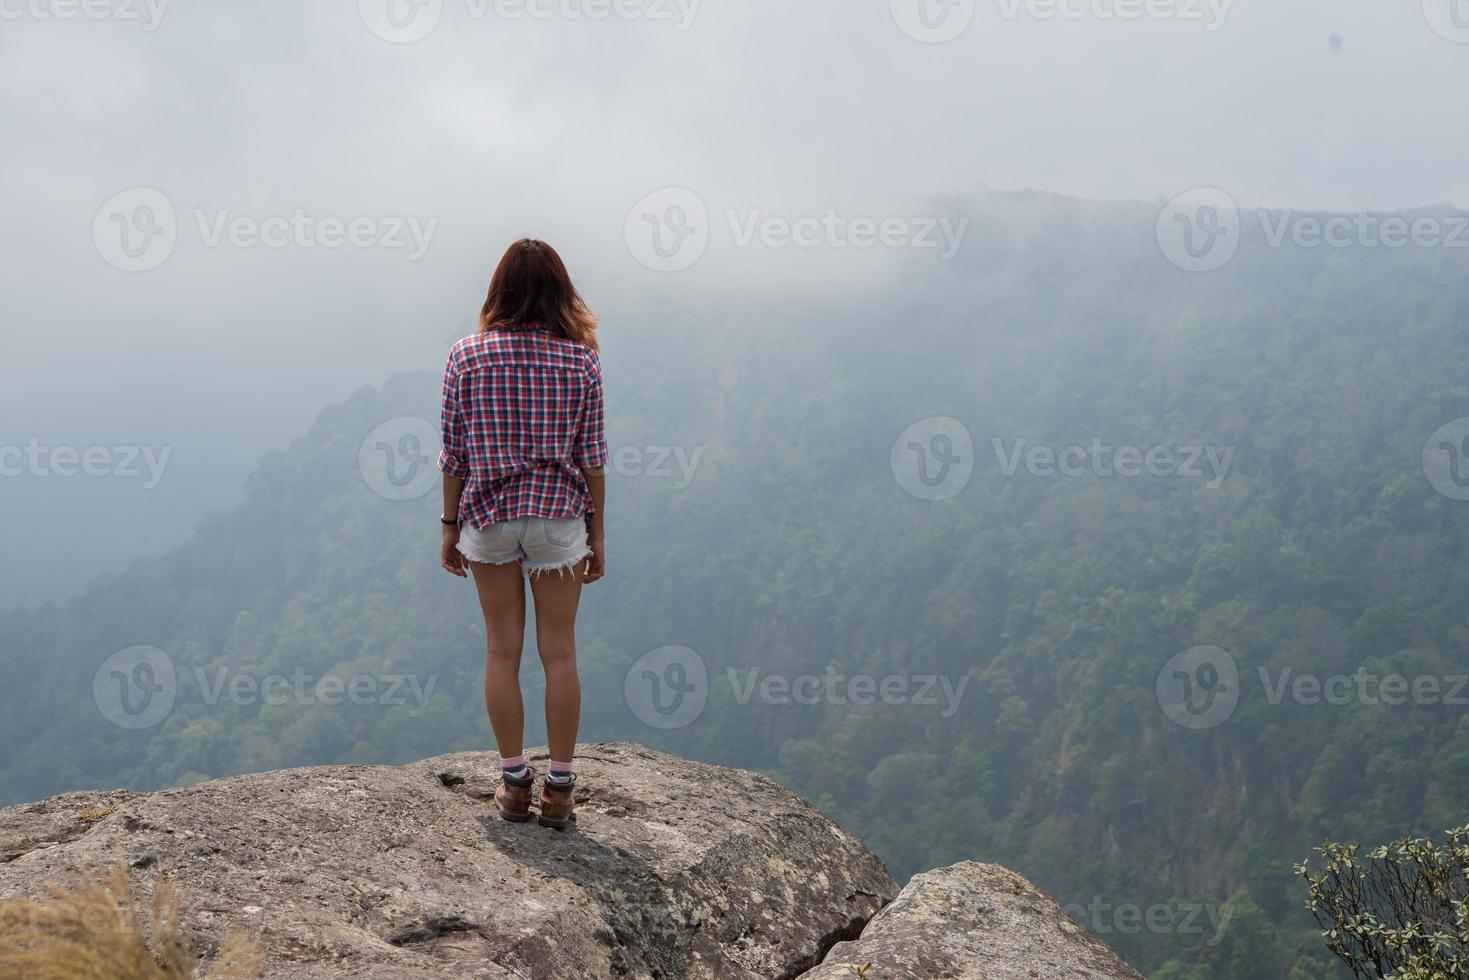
(973, 921)
(676, 869)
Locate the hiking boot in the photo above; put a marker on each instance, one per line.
(512, 797)
(557, 806)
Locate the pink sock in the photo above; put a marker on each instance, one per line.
(560, 771)
(513, 765)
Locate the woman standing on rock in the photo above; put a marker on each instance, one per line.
(524, 448)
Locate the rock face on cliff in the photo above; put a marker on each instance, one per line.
(675, 869)
(974, 921)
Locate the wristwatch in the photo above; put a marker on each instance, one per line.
(447, 522)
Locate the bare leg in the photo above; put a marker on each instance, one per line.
(556, 597)
(501, 591)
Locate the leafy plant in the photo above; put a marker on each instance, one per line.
(1402, 915)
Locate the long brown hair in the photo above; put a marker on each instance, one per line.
(531, 286)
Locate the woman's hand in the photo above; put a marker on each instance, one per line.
(449, 555)
(596, 561)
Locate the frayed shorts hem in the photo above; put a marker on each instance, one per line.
(539, 544)
(534, 571)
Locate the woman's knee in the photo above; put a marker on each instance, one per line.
(557, 652)
(504, 649)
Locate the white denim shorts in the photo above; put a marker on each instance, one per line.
(540, 544)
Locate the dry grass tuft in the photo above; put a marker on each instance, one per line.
(93, 930)
(95, 813)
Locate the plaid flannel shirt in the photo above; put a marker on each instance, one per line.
(522, 415)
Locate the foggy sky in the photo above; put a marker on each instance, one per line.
(497, 126)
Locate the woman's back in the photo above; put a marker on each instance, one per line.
(527, 415)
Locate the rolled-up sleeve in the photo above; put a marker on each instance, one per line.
(453, 456)
(591, 438)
